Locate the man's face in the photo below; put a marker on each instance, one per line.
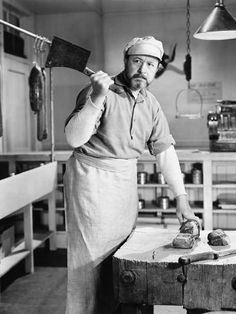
(140, 70)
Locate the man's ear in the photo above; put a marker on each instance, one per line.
(160, 70)
(126, 60)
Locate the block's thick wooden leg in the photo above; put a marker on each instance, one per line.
(136, 309)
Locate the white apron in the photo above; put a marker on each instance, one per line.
(101, 197)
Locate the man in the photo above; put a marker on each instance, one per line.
(109, 128)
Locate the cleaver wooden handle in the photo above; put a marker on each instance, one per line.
(89, 72)
(188, 259)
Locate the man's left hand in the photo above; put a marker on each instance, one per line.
(183, 209)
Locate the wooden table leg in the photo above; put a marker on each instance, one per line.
(136, 309)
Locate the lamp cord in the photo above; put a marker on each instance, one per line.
(188, 27)
(188, 50)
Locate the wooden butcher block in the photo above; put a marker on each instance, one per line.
(147, 271)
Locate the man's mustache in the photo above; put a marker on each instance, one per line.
(139, 76)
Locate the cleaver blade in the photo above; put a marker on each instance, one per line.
(65, 54)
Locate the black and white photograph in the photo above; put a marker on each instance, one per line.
(117, 156)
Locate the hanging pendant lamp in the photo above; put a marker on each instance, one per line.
(219, 25)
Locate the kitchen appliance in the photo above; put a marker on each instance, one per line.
(222, 126)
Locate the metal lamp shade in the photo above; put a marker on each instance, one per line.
(219, 25)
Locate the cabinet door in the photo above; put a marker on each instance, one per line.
(16, 109)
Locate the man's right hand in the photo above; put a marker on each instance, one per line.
(100, 84)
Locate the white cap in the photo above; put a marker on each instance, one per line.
(147, 45)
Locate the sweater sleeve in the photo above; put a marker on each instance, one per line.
(170, 168)
(83, 122)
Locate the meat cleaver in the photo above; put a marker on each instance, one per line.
(65, 54)
(212, 255)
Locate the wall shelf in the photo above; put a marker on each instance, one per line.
(206, 192)
(17, 194)
(19, 252)
(156, 185)
(225, 211)
(224, 185)
(166, 211)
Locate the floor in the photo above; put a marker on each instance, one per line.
(44, 291)
(39, 293)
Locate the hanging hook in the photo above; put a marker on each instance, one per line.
(187, 94)
(188, 115)
(42, 43)
(41, 49)
(36, 47)
(36, 42)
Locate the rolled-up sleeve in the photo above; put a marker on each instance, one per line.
(160, 138)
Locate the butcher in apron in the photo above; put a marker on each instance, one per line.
(112, 123)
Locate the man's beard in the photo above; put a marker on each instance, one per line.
(137, 81)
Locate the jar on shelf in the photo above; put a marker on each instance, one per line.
(141, 204)
(196, 176)
(142, 177)
(160, 178)
(197, 173)
(164, 202)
